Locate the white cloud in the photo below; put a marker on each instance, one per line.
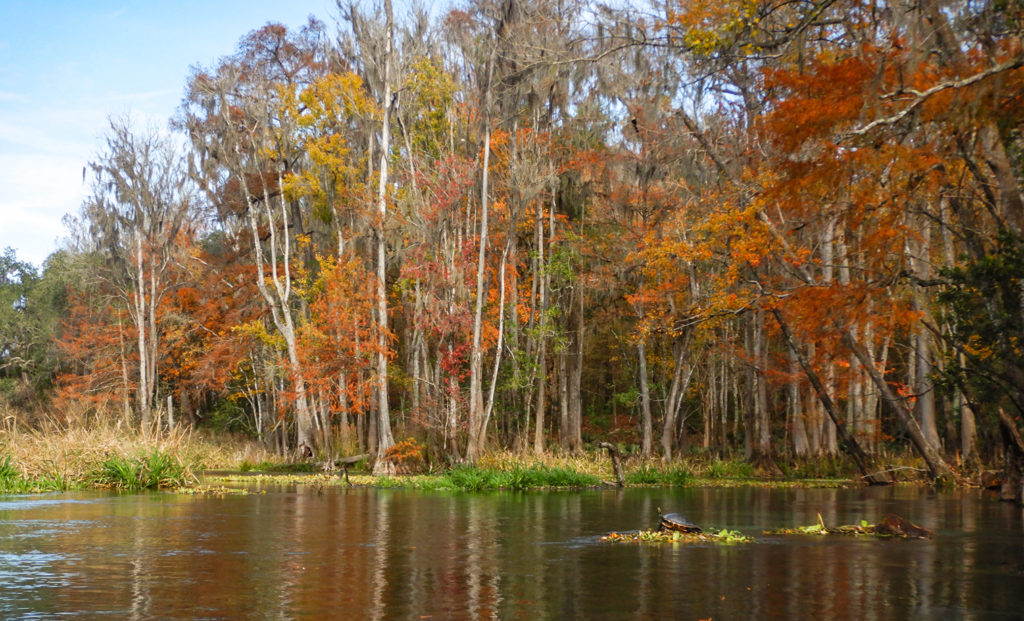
(38, 190)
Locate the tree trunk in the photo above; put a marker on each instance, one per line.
(848, 442)
(481, 435)
(142, 390)
(936, 465)
(798, 432)
(384, 438)
(1012, 488)
(763, 443)
(563, 400)
(675, 398)
(476, 398)
(576, 380)
(542, 381)
(646, 426)
(924, 405)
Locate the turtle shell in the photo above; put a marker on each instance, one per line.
(677, 522)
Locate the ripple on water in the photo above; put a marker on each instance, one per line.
(29, 502)
(27, 570)
(27, 530)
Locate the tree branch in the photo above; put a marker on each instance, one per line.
(921, 96)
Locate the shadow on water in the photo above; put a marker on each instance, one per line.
(396, 554)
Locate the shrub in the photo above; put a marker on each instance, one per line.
(407, 456)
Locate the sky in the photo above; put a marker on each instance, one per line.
(67, 67)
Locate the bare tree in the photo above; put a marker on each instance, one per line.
(141, 200)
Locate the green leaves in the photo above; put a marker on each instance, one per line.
(154, 470)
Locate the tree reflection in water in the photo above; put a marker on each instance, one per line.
(394, 554)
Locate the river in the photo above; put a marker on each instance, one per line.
(337, 553)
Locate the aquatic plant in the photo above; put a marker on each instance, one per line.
(647, 474)
(11, 480)
(891, 525)
(733, 469)
(279, 467)
(152, 470)
(517, 478)
(723, 536)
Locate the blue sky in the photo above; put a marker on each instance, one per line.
(66, 67)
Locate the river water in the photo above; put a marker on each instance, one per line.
(393, 554)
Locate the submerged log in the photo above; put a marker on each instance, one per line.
(893, 525)
(991, 479)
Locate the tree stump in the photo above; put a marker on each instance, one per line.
(613, 452)
(1012, 488)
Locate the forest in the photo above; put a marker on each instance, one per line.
(780, 230)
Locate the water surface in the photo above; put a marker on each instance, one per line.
(394, 554)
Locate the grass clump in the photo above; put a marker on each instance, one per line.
(154, 470)
(646, 474)
(11, 480)
(14, 481)
(732, 469)
(271, 467)
(515, 478)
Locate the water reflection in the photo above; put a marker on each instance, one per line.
(385, 554)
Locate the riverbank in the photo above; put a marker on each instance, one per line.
(108, 456)
(512, 472)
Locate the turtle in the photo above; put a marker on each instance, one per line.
(677, 522)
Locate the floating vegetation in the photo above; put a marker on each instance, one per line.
(213, 490)
(891, 525)
(654, 536)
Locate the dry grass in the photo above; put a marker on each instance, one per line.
(589, 462)
(71, 453)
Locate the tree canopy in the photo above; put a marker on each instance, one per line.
(788, 228)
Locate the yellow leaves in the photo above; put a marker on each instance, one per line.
(328, 115)
(336, 98)
(710, 26)
(433, 92)
(257, 331)
(975, 349)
